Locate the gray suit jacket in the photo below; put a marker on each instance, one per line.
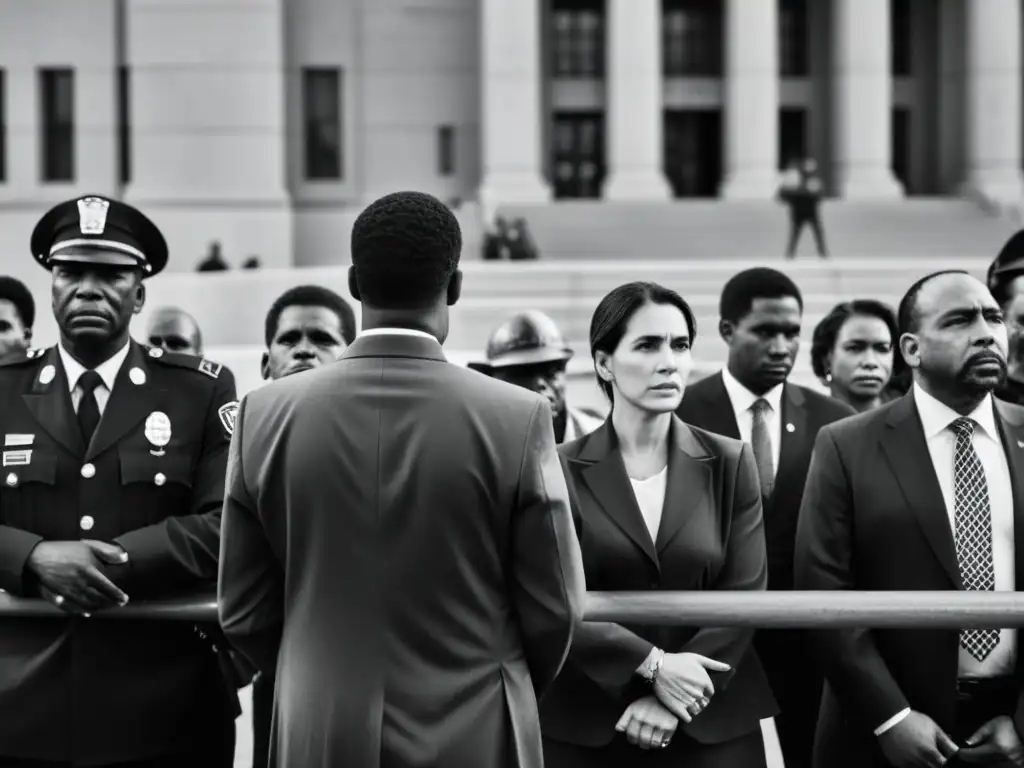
(397, 544)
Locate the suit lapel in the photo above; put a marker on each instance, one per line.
(604, 473)
(50, 404)
(721, 416)
(688, 483)
(793, 431)
(129, 403)
(906, 450)
(1012, 433)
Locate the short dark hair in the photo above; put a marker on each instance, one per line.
(14, 291)
(745, 287)
(608, 324)
(310, 296)
(908, 314)
(827, 331)
(405, 249)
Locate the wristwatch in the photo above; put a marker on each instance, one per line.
(653, 666)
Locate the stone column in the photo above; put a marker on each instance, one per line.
(751, 146)
(208, 127)
(635, 115)
(863, 100)
(993, 100)
(511, 118)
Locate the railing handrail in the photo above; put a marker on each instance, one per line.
(877, 609)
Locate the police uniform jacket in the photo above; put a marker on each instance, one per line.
(96, 690)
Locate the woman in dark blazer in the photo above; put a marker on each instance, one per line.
(658, 505)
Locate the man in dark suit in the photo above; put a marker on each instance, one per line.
(17, 316)
(760, 317)
(397, 537)
(924, 493)
(307, 326)
(112, 484)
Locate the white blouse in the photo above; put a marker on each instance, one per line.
(650, 497)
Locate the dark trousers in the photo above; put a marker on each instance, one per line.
(797, 685)
(977, 702)
(743, 752)
(262, 712)
(797, 222)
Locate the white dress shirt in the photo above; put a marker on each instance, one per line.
(397, 332)
(742, 399)
(108, 373)
(936, 418)
(650, 497)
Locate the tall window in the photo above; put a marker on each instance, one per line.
(794, 38)
(3, 127)
(902, 38)
(692, 38)
(124, 141)
(446, 150)
(321, 109)
(57, 91)
(578, 33)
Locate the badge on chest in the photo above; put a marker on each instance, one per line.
(158, 432)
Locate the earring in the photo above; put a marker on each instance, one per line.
(828, 378)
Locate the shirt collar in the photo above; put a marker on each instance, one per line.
(396, 332)
(936, 416)
(108, 370)
(742, 398)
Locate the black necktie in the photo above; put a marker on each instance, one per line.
(762, 444)
(88, 408)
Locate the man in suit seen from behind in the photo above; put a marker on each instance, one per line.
(923, 494)
(761, 315)
(397, 537)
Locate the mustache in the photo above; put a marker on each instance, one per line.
(987, 356)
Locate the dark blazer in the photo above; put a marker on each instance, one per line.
(783, 652)
(710, 538)
(70, 687)
(398, 546)
(874, 519)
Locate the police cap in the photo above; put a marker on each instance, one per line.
(98, 230)
(526, 338)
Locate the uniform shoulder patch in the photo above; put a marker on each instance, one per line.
(182, 360)
(210, 368)
(228, 413)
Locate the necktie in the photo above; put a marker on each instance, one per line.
(973, 523)
(762, 444)
(88, 408)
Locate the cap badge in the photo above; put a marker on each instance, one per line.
(158, 431)
(92, 215)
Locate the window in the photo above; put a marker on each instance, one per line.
(794, 38)
(578, 39)
(446, 150)
(3, 127)
(321, 108)
(57, 88)
(902, 38)
(124, 148)
(692, 38)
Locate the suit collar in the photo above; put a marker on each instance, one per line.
(388, 344)
(719, 416)
(936, 416)
(742, 398)
(600, 464)
(49, 401)
(107, 370)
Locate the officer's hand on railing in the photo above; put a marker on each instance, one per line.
(916, 742)
(683, 684)
(996, 742)
(647, 723)
(70, 574)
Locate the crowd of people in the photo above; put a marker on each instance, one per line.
(401, 546)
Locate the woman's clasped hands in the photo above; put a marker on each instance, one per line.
(683, 684)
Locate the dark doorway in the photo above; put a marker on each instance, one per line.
(578, 149)
(901, 147)
(693, 152)
(792, 135)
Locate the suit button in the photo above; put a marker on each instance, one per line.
(88, 471)
(12, 479)
(160, 478)
(87, 523)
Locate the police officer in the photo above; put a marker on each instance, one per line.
(111, 488)
(528, 350)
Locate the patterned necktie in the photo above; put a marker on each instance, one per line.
(762, 444)
(973, 532)
(88, 408)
